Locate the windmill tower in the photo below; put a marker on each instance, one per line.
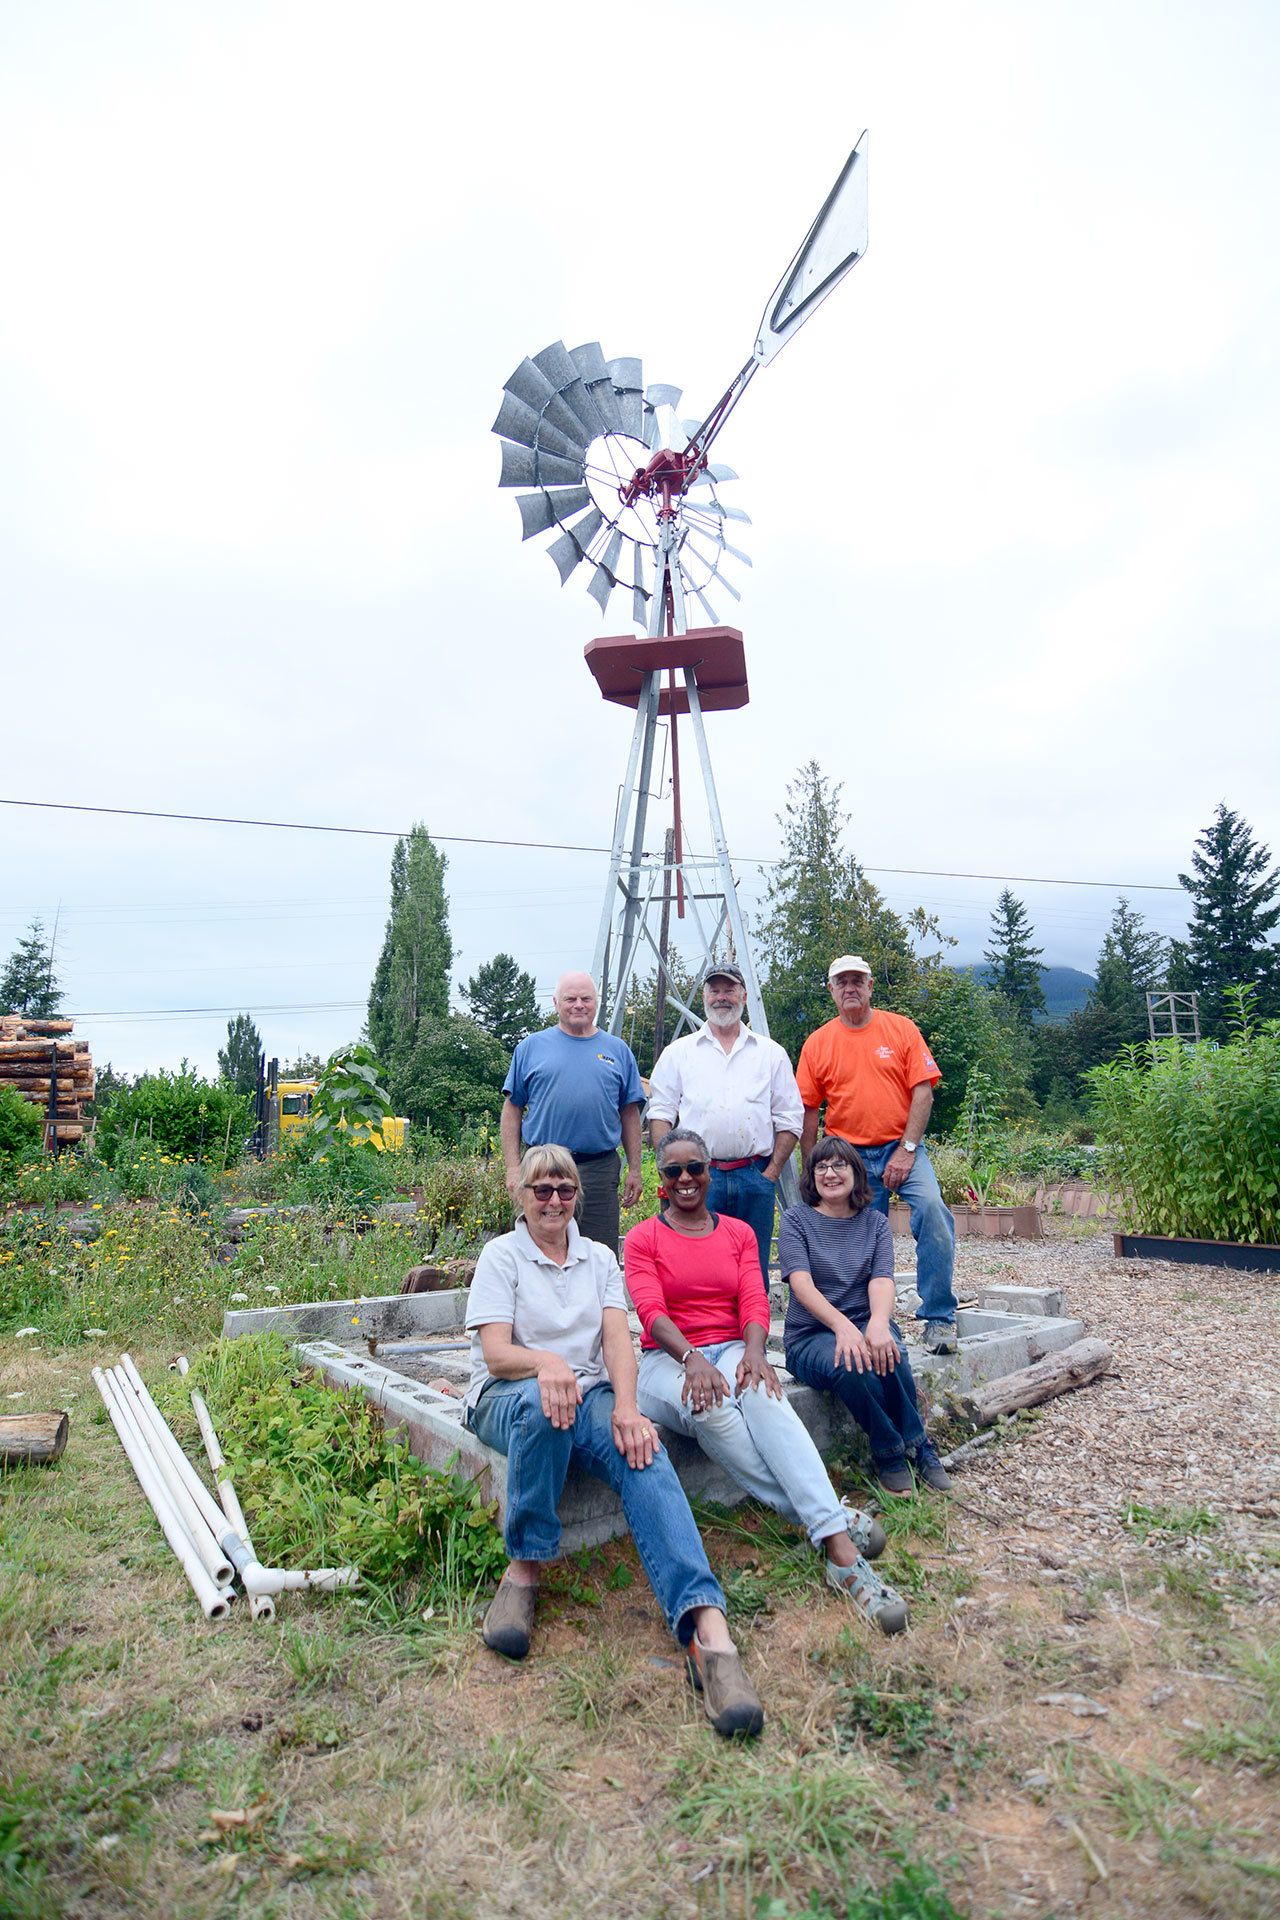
(628, 488)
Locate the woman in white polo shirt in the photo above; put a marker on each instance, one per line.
(553, 1383)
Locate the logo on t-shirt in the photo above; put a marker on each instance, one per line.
(884, 1053)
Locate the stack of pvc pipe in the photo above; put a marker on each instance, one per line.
(211, 1542)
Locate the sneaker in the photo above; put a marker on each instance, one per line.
(894, 1476)
(873, 1597)
(509, 1620)
(865, 1531)
(731, 1702)
(940, 1336)
(930, 1469)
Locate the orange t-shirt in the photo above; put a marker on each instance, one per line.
(865, 1075)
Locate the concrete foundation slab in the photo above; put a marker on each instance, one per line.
(1014, 1299)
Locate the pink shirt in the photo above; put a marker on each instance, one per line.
(710, 1285)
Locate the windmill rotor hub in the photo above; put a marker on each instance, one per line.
(667, 475)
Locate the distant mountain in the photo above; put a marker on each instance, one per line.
(1065, 988)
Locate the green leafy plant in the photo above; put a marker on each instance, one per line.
(178, 1114)
(1192, 1134)
(21, 1127)
(349, 1096)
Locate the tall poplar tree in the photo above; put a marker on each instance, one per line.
(411, 981)
(238, 1060)
(1014, 962)
(1235, 908)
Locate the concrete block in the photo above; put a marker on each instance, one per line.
(393, 1316)
(1051, 1301)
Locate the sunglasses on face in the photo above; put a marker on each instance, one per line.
(674, 1168)
(542, 1191)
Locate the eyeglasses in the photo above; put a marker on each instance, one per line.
(542, 1191)
(674, 1169)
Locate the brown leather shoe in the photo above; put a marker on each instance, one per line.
(509, 1620)
(732, 1703)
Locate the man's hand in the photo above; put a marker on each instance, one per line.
(754, 1371)
(635, 1437)
(561, 1394)
(632, 1187)
(885, 1353)
(852, 1352)
(704, 1385)
(897, 1168)
(513, 1186)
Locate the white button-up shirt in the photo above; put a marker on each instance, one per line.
(737, 1100)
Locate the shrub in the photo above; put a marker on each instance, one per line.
(1193, 1135)
(21, 1127)
(178, 1114)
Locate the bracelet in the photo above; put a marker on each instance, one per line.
(687, 1355)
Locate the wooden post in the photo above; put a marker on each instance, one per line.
(32, 1438)
(1073, 1366)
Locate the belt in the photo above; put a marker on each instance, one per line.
(607, 1153)
(732, 1166)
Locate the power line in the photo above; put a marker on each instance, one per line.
(567, 846)
(184, 1013)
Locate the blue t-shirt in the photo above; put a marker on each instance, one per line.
(573, 1090)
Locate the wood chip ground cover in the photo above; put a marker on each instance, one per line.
(1121, 1550)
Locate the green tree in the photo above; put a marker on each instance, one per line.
(639, 1028)
(304, 1066)
(1131, 965)
(503, 1000)
(819, 904)
(28, 983)
(411, 981)
(452, 1079)
(238, 1060)
(1235, 907)
(974, 1035)
(177, 1113)
(1014, 962)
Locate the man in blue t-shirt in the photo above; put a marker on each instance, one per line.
(573, 1086)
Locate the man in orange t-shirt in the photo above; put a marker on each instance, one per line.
(876, 1077)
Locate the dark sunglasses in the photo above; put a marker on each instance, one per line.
(674, 1168)
(542, 1191)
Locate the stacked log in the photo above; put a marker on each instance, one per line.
(37, 1056)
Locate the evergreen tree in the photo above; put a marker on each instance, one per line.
(818, 905)
(1130, 966)
(411, 982)
(503, 1000)
(28, 983)
(1014, 962)
(639, 1028)
(238, 1060)
(1235, 907)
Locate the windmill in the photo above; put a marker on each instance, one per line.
(626, 485)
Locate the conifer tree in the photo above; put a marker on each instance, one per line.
(28, 983)
(1131, 965)
(1235, 908)
(1014, 962)
(503, 1000)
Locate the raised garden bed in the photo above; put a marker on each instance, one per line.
(1198, 1253)
(981, 1223)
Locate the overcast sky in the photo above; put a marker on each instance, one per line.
(1013, 490)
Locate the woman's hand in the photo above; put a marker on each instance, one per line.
(852, 1351)
(754, 1371)
(635, 1437)
(561, 1394)
(885, 1353)
(704, 1385)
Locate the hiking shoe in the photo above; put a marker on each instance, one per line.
(930, 1469)
(873, 1597)
(940, 1336)
(894, 1476)
(509, 1620)
(865, 1531)
(731, 1702)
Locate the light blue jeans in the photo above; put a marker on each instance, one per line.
(760, 1441)
(932, 1226)
(508, 1417)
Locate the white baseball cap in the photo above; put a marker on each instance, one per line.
(848, 963)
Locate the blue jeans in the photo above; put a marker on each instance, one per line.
(509, 1418)
(744, 1194)
(884, 1405)
(932, 1227)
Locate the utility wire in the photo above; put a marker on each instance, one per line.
(566, 846)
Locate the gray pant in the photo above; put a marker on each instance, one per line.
(597, 1212)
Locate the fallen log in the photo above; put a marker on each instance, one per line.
(32, 1438)
(1060, 1372)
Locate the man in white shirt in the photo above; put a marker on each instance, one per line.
(736, 1088)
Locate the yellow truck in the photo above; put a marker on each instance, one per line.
(289, 1110)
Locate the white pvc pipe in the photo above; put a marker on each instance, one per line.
(153, 1420)
(215, 1604)
(261, 1605)
(214, 1556)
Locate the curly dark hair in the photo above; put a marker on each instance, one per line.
(835, 1149)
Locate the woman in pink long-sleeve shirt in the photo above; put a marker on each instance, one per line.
(694, 1278)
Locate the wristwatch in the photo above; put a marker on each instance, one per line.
(908, 1146)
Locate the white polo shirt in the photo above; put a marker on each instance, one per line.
(557, 1309)
(736, 1100)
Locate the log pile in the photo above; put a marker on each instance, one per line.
(37, 1054)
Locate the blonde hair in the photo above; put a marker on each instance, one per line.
(549, 1163)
